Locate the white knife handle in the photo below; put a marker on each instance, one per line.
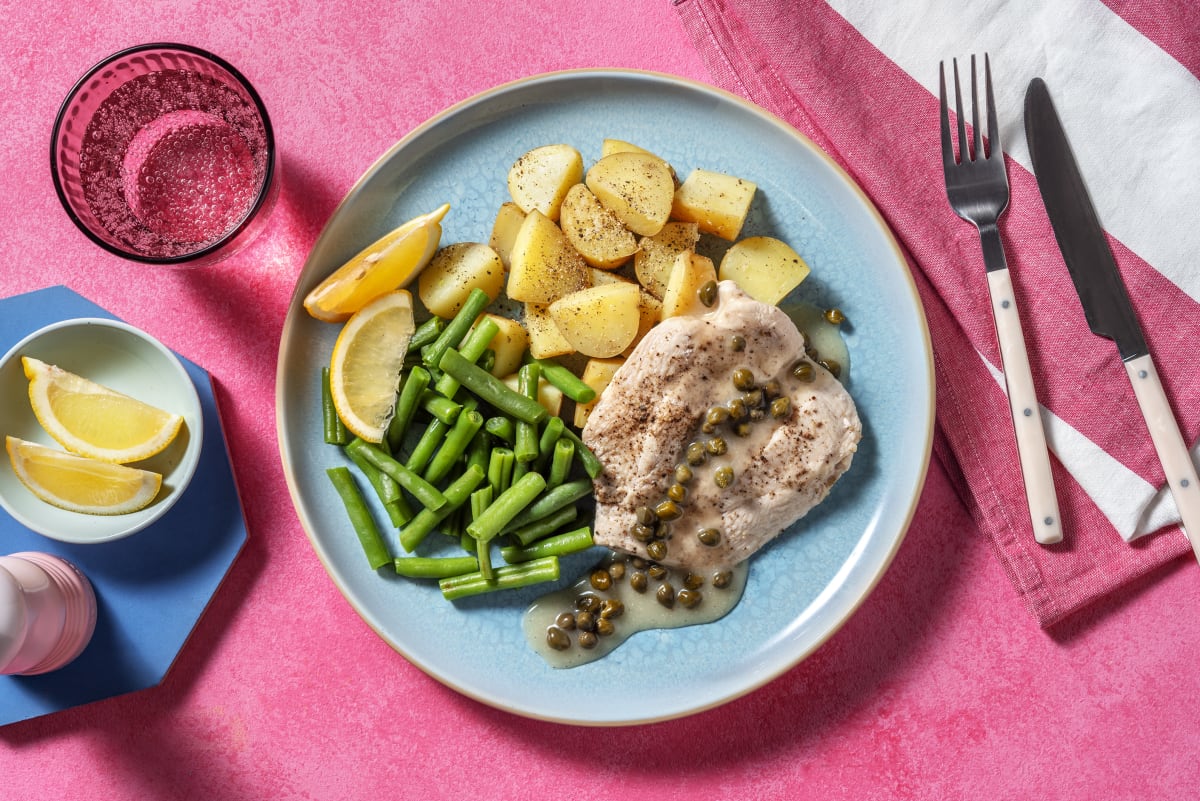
(1027, 420)
(1169, 444)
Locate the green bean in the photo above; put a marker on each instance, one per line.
(559, 545)
(386, 487)
(505, 577)
(571, 385)
(487, 361)
(360, 517)
(502, 428)
(427, 519)
(457, 328)
(473, 347)
(427, 445)
(550, 502)
(406, 406)
(454, 525)
(434, 566)
(398, 511)
(520, 470)
(481, 499)
(426, 332)
(440, 407)
(506, 506)
(480, 450)
(549, 524)
(335, 429)
(422, 490)
(454, 446)
(525, 446)
(560, 464)
(588, 459)
(551, 432)
(500, 469)
(490, 389)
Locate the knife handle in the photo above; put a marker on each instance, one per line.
(1168, 443)
(1027, 420)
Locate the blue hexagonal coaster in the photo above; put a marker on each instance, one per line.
(152, 586)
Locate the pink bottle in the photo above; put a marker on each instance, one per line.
(47, 613)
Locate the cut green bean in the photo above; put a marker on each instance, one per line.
(525, 444)
(481, 499)
(490, 389)
(590, 463)
(500, 469)
(559, 545)
(571, 385)
(473, 347)
(427, 494)
(386, 487)
(437, 567)
(426, 333)
(431, 439)
(487, 361)
(506, 577)
(427, 520)
(454, 446)
(502, 428)
(440, 407)
(457, 328)
(557, 498)
(560, 464)
(483, 552)
(480, 450)
(532, 532)
(551, 432)
(406, 406)
(335, 429)
(506, 506)
(360, 517)
(520, 469)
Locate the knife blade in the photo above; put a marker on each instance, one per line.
(1103, 295)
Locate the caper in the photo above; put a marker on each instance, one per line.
(737, 343)
(616, 571)
(588, 639)
(641, 532)
(804, 371)
(683, 473)
(600, 580)
(646, 516)
(757, 415)
(742, 429)
(753, 399)
(677, 492)
(666, 595)
(656, 572)
(722, 579)
(587, 603)
(585, 621)
(708, 293)
(605, 627)
(692, 581)
(656, 549)
(688, 598)
(737, 409)
(743, 378)
(716, 446)
(557, 639)
(723, 476)
(833, 366)
(716, 415)
(781, 407)
(668, 510)
(612, 607)
(638, 581)
(696, 454)
(771, 389)
(565, 620)
(835, 316)
(710, 536)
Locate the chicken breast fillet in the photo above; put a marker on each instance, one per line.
(783, 461)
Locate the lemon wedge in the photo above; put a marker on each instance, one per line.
(93, 420)
(80, 484)
(364, 371)
(387, 264)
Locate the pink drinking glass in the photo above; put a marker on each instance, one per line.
(164, 154)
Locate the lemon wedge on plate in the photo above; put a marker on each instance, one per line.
(385, 265)
(92, 420)
(368, 356)
(80, 484)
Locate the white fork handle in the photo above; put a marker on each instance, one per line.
(1027, 420)
(1168, 443)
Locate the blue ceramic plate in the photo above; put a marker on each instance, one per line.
(804, 585)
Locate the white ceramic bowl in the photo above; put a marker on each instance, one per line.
(122, 358)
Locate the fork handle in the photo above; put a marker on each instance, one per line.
(1027, 420)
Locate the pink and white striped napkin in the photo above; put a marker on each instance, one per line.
(860, 79)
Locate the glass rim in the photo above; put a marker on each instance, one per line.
(268, 173)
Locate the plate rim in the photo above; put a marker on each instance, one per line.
(921, 468)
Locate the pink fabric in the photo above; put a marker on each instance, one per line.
(820, 74)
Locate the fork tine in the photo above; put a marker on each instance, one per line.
(947, 144)
(976, 134)
(993, 126)
(964, 151)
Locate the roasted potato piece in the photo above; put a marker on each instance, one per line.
(636, 187)
(649, 315)
(543, 265)
(610, 146)
(656, 254)
(599, 321)
(597, 374)
(691, 271)
(541, 178)
(454, 271)
(763, 267)
(509, 344)
(504, 230)
(605, 277)
(545, 340)
(594, 231)
(717, 202)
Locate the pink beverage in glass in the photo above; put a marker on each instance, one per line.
(164, 154)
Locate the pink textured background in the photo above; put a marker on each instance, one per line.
(941, 686)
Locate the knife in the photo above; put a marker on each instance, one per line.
(1106, 303)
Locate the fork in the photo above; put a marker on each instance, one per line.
(977, 187)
